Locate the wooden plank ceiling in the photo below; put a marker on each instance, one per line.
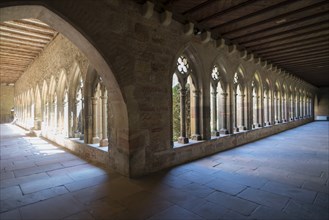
(293, 35)
(21, 41)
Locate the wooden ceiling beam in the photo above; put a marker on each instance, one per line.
(14, 62)
(285, 27)
(320, 58)
(9, 79)
(7, 39)
(293, 38)
(25, 33)
(297, 55)
(261, 23)
(32, 54)
(17, 45)
(14, 55)
(10, 59)
(198, 7)
(32, 31)
(251, 16)
(30, 27)
(296, 50)
(14, 68)
(305, 65)
(22, 39)
(301, 57)
(289, 35)
(294, 44)
(10, 71)
(2, 47)
(226, 11)
(35, 22)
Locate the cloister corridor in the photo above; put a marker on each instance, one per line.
(284, 176)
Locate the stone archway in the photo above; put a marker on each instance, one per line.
(119, 131)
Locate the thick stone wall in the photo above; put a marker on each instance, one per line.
(142, 54)
(6, 103)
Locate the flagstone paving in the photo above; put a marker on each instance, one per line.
(284, 176)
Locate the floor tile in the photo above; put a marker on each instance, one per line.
(175, 213)
(284, 176)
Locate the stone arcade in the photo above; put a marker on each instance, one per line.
(126, 109)
(121, 96)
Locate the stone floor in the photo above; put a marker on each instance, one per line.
(284, 176)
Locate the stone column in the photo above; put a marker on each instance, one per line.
(53, 104)
(95, 138)
(262, 110)
(214, 113)
(243, 118)
(196, 95)
(305, 107)
(224, 130)
(230, 111)
(300, 107)
(235, 109)
(268, 120)
(287, 109)
(283, 109)
(258, 111)
(183, 139)
(104, 140)
(295, 108)
(291, 108)
(82, 136)
(279, 109)
(308, 107)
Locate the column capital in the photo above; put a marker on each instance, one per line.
(224, 93)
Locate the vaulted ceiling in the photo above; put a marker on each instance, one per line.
(293, 35)
(21, 41)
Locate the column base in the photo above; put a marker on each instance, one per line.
(236, 129)
(103, 143)
(242, 128)
(196, 137)
(82, 137)
(183, 140)
(223, 131)
(95, 140)
(37, 125)
(215, 133)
